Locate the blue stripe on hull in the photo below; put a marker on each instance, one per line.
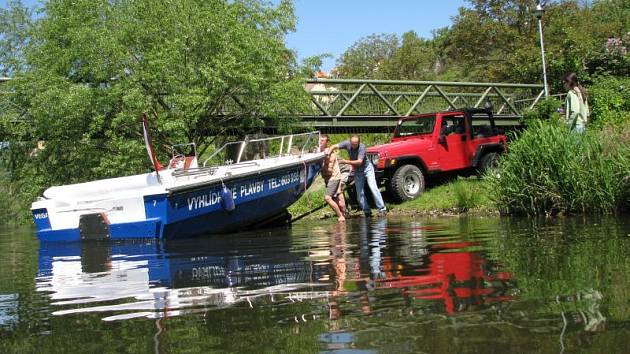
(198, 202)
(256, 198)
(58, 235)
(141, 229)
(243, 216)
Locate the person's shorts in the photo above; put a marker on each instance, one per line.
(332, 187)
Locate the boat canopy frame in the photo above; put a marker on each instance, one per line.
(290, 144)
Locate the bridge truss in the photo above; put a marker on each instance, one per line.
(341, 105)
(376, 105)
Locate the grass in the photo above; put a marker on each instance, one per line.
(313, 198)
(459, 196)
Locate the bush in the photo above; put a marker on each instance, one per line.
(550, 169)
(545, 110)
(609, 98)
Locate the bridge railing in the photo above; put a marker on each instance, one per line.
(377, 104)
(336, 98)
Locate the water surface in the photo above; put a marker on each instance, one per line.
(452, 285)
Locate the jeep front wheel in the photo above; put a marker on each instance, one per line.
(407, 183)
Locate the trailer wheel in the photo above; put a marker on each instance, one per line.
(407, 183)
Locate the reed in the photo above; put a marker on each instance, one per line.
(550, 170)
(466, 198)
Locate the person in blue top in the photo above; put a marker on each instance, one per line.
(363, 171)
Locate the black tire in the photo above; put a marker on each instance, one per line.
(488, 161)
(407, 183)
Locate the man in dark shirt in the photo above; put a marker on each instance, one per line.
(363, 171)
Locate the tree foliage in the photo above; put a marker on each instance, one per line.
(610, 101)
(498, 41)
(365, 58)
(15, 26)
(85, 70)
(415, 59)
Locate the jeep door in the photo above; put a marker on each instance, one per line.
(483, 133)
(452, 145)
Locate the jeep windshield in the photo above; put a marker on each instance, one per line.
(415, 126)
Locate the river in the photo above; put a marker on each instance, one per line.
(381, 285)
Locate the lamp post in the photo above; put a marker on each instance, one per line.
(538, 13)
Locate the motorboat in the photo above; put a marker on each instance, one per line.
(239, 185)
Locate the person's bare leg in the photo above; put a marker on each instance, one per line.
(334, 207)
(341, 202)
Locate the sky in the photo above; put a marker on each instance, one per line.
(332, 26)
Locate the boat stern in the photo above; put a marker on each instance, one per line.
(41, 210)
(40, 217)
(98, 219)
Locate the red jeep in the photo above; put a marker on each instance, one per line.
(461, 141)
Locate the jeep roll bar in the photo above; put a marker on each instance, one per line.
(471, 111)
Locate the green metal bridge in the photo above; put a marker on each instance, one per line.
(376, 105)
(357, 105)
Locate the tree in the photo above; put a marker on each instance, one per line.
(610, 53)
(365, 58)
(413, 60)
(497, 40)
(485, 35)
(313, 64)
(15, 26)
(200, 69)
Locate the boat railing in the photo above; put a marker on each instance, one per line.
(248, 150)
(188, 149)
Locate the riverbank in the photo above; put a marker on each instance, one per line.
(461, 196)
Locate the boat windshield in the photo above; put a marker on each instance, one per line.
(264, 148)
(418, 126)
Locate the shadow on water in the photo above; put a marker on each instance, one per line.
(371, 285)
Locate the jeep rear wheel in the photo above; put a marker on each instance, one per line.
(407, 183)
(488, 161)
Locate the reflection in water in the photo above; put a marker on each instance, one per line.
(455, 278)
(368, 285)
(9, 315)
(166, 279)
(447, 276)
